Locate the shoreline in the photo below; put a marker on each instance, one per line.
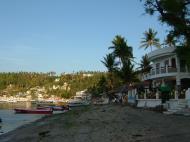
(11, 121)
(31, 101)
(25, 125)
(104, 123)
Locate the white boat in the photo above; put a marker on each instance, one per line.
(81, 99)
(77, 101)
(76, 104)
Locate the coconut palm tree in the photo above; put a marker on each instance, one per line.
(110, 63)
(121, 50)
(127, 74)
(150, 39)
(145, 64)
(170, 40)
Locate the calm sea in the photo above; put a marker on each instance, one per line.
(10, 120)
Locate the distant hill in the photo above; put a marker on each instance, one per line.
(65, 85)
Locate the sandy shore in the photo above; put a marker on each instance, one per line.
(104, 124)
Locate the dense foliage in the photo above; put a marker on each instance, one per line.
(23, 81)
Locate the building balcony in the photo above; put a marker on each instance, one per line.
(160, 72)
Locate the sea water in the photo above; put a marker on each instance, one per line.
(11, 120)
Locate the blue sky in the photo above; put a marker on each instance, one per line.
(68, 35)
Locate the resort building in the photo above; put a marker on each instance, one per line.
(167, 70)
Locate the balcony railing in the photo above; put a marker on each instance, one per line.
(172, 69)
(163, 70)
(160, 71)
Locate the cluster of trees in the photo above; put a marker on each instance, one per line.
(23, 81)
(120, 65)
(79, 82)
(120, 62)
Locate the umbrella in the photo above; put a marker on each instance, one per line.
(165, 88)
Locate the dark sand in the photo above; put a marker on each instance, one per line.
(108, 123)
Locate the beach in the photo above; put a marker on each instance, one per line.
(104, 124)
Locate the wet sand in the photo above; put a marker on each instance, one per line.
(107, 123)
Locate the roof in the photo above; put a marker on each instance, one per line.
(159, 53)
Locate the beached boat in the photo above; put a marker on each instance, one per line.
(54, 108)
(77, 101)
(77, 104)
(34, 111)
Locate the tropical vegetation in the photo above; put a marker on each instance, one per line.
(120, 67)
(145, 64)
(13, 83)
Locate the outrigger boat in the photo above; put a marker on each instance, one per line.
(34, 111)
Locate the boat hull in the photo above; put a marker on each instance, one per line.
(54, 108)
(34, 111)
(77, 104)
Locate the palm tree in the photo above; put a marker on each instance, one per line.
(170, 40)
(127, 74)
(110, 63)
(150, 39)
(121, 49)
(145, 64)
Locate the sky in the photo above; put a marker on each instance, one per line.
(69, 35)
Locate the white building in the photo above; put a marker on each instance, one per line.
(167, 69)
